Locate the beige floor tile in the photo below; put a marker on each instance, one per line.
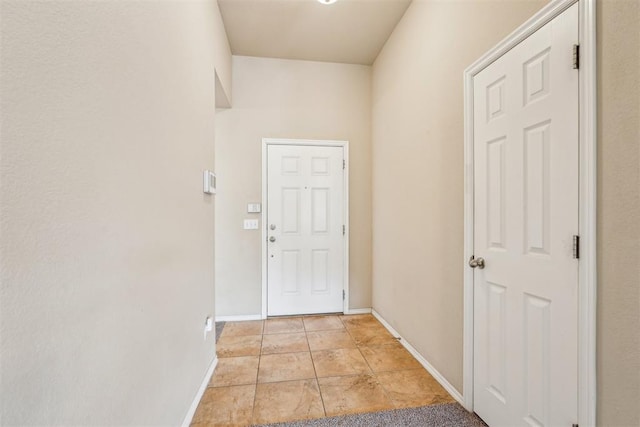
(322, 323)
(412, 388)
(442, 394)
(327, 340)
(287, 401)
(247, 345)
(285, 367)
(285, 325)
(355, 394)
(344, 350)
(389, 358)
(251, 327)
(343, 361)
(371, 336)
(235, 371)
(225, 406)
(284, 343)
(360, 321)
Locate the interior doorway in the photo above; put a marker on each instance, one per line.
(530, 222)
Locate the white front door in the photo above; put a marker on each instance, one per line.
(525, 216)
(305, 229)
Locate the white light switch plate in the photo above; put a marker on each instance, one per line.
(250, 224)
(253, 208)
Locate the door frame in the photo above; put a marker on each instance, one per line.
(587, 194)
(266, 142)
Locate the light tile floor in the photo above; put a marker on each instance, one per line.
(298, 368)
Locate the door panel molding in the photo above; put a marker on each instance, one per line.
(587, 280)
(266, 142)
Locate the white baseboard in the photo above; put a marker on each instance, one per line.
(358, 311)
(244, 317)
(238, 318)
(203, 387)
(433, 371)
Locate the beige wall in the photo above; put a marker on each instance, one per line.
(106, 244)
(618, 331)
(221, 57)
(287, 99)
(418, 168)
(418, 147)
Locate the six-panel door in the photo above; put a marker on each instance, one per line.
(305, 219)
(525, 215)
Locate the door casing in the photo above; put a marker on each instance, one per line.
(263, 220)
(587, 207)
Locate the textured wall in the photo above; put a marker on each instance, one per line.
(106, 244)
(618, 333)
(418, 168)
(287, 99)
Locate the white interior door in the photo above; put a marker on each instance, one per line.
(305, 229)
(525, 216)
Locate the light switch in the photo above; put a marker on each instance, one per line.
(253, 208)
(250, 224)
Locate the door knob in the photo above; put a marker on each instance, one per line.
(479, 262)
(272, 239)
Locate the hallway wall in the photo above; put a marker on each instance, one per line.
(106, 245)
(418, 168)
(276, 98)
(418, 149)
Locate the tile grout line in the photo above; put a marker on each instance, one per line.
(315, 372)
(255, 393)
(353, 341)
(373, 373)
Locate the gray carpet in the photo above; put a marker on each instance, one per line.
(446, 415)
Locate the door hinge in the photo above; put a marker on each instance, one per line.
(576, 56)
(344, 230)
(576, 247)
(344, 164)
(343, 295)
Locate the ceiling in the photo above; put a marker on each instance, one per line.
(348, 31)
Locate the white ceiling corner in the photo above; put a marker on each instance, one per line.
(348, 31)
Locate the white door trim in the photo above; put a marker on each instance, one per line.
(321, 143)
(588, 186)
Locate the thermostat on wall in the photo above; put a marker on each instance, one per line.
(209, 182)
